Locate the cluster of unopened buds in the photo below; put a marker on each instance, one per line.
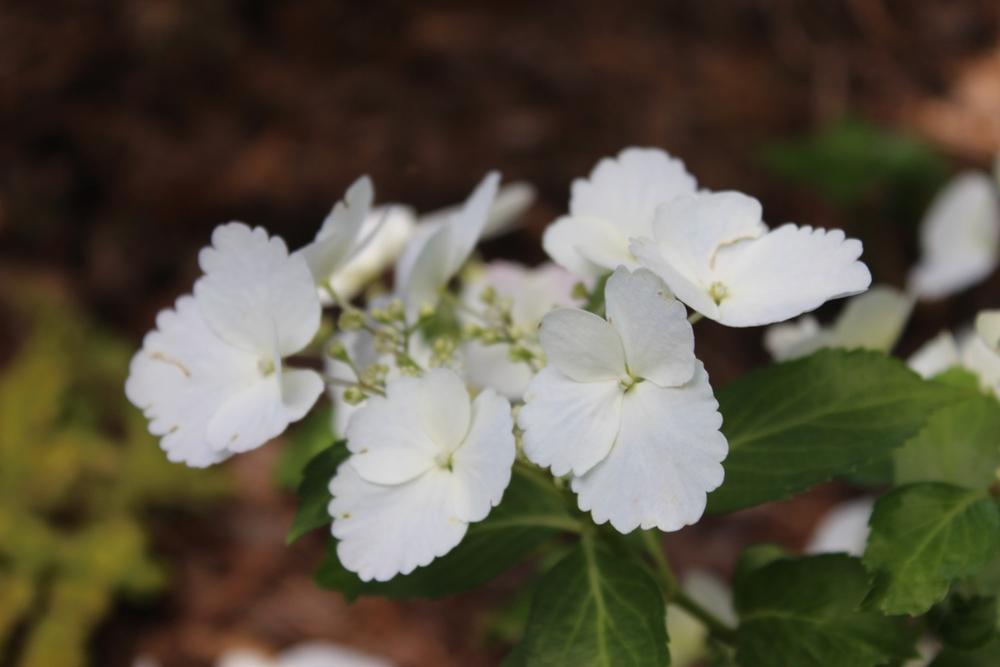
(442, 383)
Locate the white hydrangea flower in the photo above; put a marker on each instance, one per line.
(629, 414)
(533, 293)
(426, 461)
(959, 238)
(844, 529)
(969, 351)
(339, 238)
(716, 254)
(617, 203)
(210, 377)
(436, 252)
(385, 231)
(872, 321)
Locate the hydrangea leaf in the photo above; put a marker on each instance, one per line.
(925, 535)
(314, 492)
(799, 423)
(598, 609)
(959, 445)
(309, 437)
(987, 655)
(965, 621)
(530, 513)
(807, 611)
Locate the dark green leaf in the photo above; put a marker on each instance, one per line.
(530, 513)
(924, 536)
(309, 437)
(596, 609)
(807, 612)
(803, 422)
(965, 621)
(987, 655)
(314, 493)
(960, 444)
(757, 556)
(959, 377)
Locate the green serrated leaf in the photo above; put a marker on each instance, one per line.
(314, 492)
(959, 377)
(960, 444)
(806, 612)
(530, 513)
(799, 423)
(309, 437)
(924, 536)
(596, 609)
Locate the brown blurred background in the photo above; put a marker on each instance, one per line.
(128, 129)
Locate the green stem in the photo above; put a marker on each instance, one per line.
(655, 550)
(675, 595)
(694, 318)
(715, 626)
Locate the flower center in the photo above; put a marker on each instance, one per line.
(445, 460)
(265, 366)
(629, 381)
(718, 292)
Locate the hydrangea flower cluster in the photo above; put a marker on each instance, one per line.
(444, 382)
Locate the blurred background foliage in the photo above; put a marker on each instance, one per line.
(852, 162)
(78, 477)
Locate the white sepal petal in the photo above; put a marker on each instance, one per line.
(250, 418)
(655, 334)
(988, 328)
(254, 295)
(446, 249)
(570, 242)
(582, 345)
(797, 338)
(388, 436)
(340, 235)
(666, 459)
(385, 530)
(483, 463)
(627, 189)
(787, 272)
(959, 238)
(872, 321)
(616, 203)
(982, 360)
(935, 356)
(569, 426)
(182, 375)
(844, 529)
(385, 233)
